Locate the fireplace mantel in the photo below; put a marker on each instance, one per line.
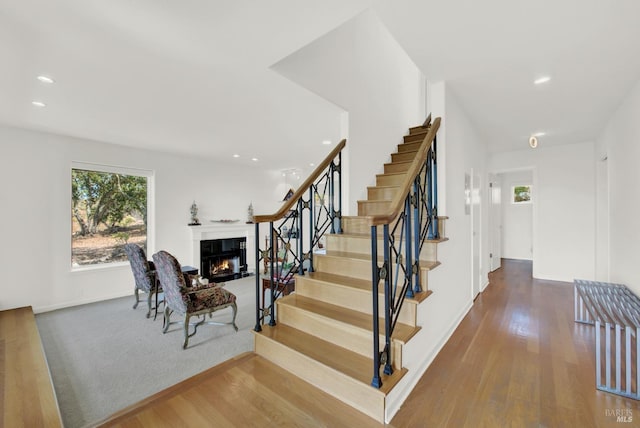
(222, 231)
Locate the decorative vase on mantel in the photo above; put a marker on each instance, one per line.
(194, 215)
(250, 213)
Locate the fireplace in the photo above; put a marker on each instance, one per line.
(223, 259)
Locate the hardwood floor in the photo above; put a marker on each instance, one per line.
(247, 391)
(517, 359)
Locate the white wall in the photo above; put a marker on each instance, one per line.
(362, 69)
(517, 219)
(564, 208)
(35, 221)
(441, 313)
(619, 141)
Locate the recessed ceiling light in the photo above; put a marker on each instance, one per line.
(45, 79)
(533, 142)
(38, 103)
(543, 79)
(236, 155)
(326, 142)
(254, 159)
(312, 164)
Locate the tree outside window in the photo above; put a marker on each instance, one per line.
(108, 210)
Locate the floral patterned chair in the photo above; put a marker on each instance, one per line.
(189, 301)
(145, 276)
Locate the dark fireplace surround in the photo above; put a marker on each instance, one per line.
(223, 259)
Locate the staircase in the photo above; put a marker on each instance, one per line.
(324, 331)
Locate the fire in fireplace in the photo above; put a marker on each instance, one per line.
(223, 259)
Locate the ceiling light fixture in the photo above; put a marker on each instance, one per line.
(236, 155)
(38, 103)
(541, 80)
(326, 142)
(254, 159)
(533, 142)
(45, 79)
(312, 164)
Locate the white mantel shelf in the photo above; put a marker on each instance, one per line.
(205, 232)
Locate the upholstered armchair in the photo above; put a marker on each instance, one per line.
(144, 275)
(189, 301)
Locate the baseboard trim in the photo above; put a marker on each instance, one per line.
(41, 309)
(391, 408)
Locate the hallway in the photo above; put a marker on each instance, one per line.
(517, 359)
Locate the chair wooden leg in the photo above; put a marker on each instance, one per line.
(167, 319)
(135, 291)
(235, 312)
(149, 296)
(186, 331)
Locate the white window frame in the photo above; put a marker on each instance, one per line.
(151, 217)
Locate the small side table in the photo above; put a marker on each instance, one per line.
(285, 287)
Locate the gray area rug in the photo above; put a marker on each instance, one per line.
(106, 356)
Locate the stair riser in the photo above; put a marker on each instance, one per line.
(373, 207)
(377, 193)
(343, 266)
(361, 396)
(390, 168)
(355, 225)
(403, 157)
(353, 298)
(409, 147)
(362, 245)
(346, 336)
(389, 180)
(414, 137)
(358, 226)
(417, 130)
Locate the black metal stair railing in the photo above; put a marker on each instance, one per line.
(293, 233)
(411, 221)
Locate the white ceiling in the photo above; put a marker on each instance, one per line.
(194, 76)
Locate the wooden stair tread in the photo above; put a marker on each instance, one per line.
(427, 264)
(370, 201)
(368, 236)
(401, 333)
(342, 280)
(388, 174)
(360, 284)
(398, 163)
(335, 357)
(380, 187)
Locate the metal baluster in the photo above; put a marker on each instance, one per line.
(258, 327)
(607, 356)
(435, 190)
(332, 214)
(300, 237)
(376, 381)
(312, 226)
(627, 366)
(407, 246)
(618, 362)
(417, 236)
(339, 192)
(429, 189)
(273, 277)
(388, 312)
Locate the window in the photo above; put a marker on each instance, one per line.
(521, 194)
(109, 208)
